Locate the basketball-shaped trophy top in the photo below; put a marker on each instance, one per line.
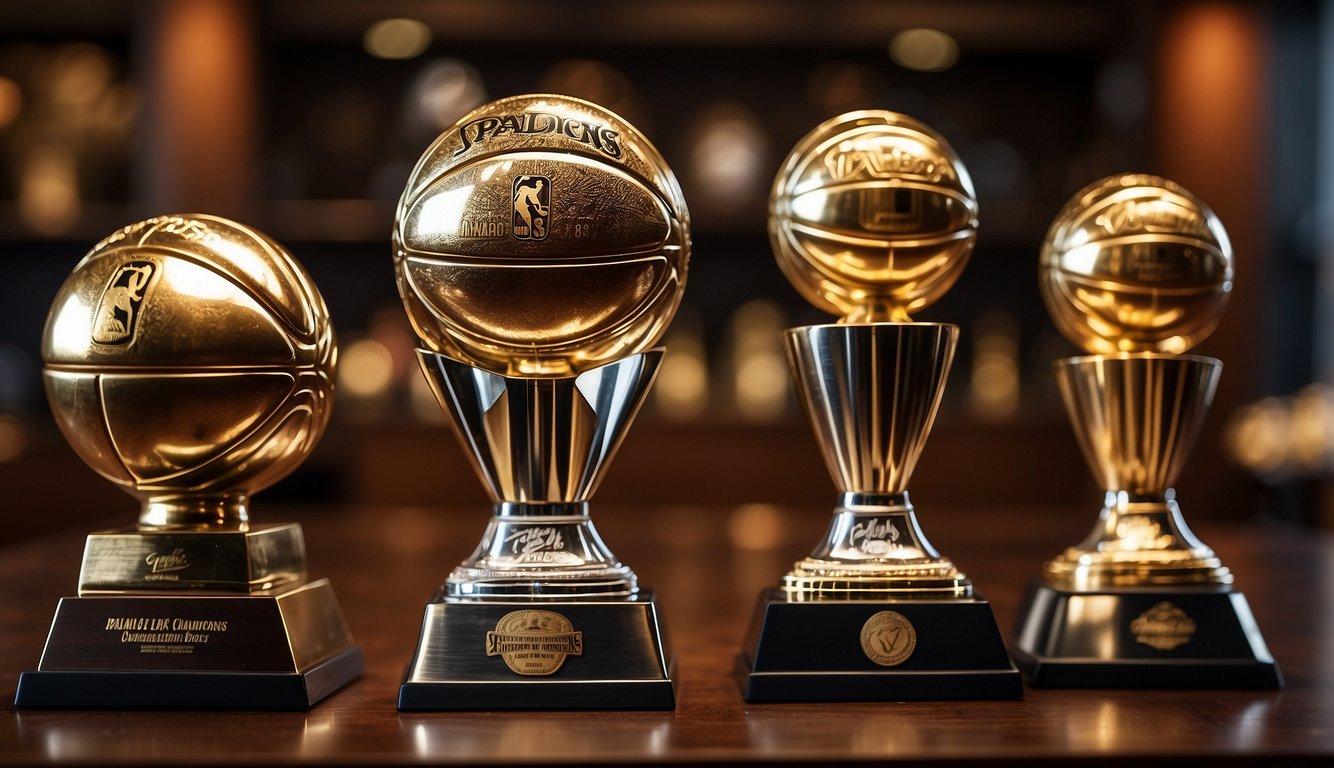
(541, 236)
(190, 355)
(872, 216)
(1136, 263)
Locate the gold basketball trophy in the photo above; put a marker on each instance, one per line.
(541, 247)
(1136, 270)
(873, 217)
(189, 359)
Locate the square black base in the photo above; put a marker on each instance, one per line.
(1198, 637)
(284, 649)
(189, 690)
(601, 654)
(814, 651)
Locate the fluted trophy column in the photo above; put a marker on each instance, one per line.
(872, 218)
(1137, 270)
(540, 247)
(189, 359)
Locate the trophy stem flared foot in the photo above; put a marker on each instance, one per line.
(476, 654)
(1185, 637)
(283, 649)
(868, 650)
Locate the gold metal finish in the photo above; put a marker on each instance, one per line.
(541, 236)
(1139, 270)
(872, 216)
(1135, 263)
(189, 359)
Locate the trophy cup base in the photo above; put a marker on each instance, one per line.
(261, 558)
(1185, 638)
(280, 650)
(576, 653)
(874, 650)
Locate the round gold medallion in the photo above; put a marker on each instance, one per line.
(888, 638)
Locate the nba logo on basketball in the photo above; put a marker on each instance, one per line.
(532, 207)
(118, 312)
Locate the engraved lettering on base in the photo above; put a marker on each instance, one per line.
(1164, 627)
(888, 638)
(534, 642)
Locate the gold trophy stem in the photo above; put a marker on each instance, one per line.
(1136, 418)
(192, 512)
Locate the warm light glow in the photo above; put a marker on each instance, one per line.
(366, 369)
(681, 391)
(1257, 436)
(445, 91)
(760, 385)
(397, 39)
(49, 190)
(11, 101)
(925, 50)
(13, 438)
(727, 158)
(422, 401)
(994, 388)
(755, 527)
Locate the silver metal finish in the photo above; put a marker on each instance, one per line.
(540, 446)
(872, 392)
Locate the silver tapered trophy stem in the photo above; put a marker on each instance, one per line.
(872, 392)
(540, 447)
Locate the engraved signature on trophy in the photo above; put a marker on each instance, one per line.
(537, 545)
(118, 312)
(874, 537)
(869, 158)
(162, 566)
(1155, 215)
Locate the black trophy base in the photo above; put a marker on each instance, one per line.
(560, 654)
(827, 650)
(285, 650)
(1201, 637)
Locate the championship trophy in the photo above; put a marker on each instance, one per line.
(1136, 270)
(873, 217)
(189, 359)
(540, 248)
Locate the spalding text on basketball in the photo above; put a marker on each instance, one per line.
(600, 137)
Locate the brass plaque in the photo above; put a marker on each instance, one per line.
(888, 638)
(1164, 627)
(533, 642)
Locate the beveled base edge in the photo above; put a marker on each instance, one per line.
(625, 661)
(190, 690)
(811, 651)
(1233, 654)
(526, 695)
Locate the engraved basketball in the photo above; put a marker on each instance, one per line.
(872, 217)
(541, 236)
(1136, 263)
(189, 356)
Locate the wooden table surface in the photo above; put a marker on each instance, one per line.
(707, 565)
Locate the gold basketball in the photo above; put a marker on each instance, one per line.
(872, 216)
(541, 235)
(1135, 263)
(189, 357)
